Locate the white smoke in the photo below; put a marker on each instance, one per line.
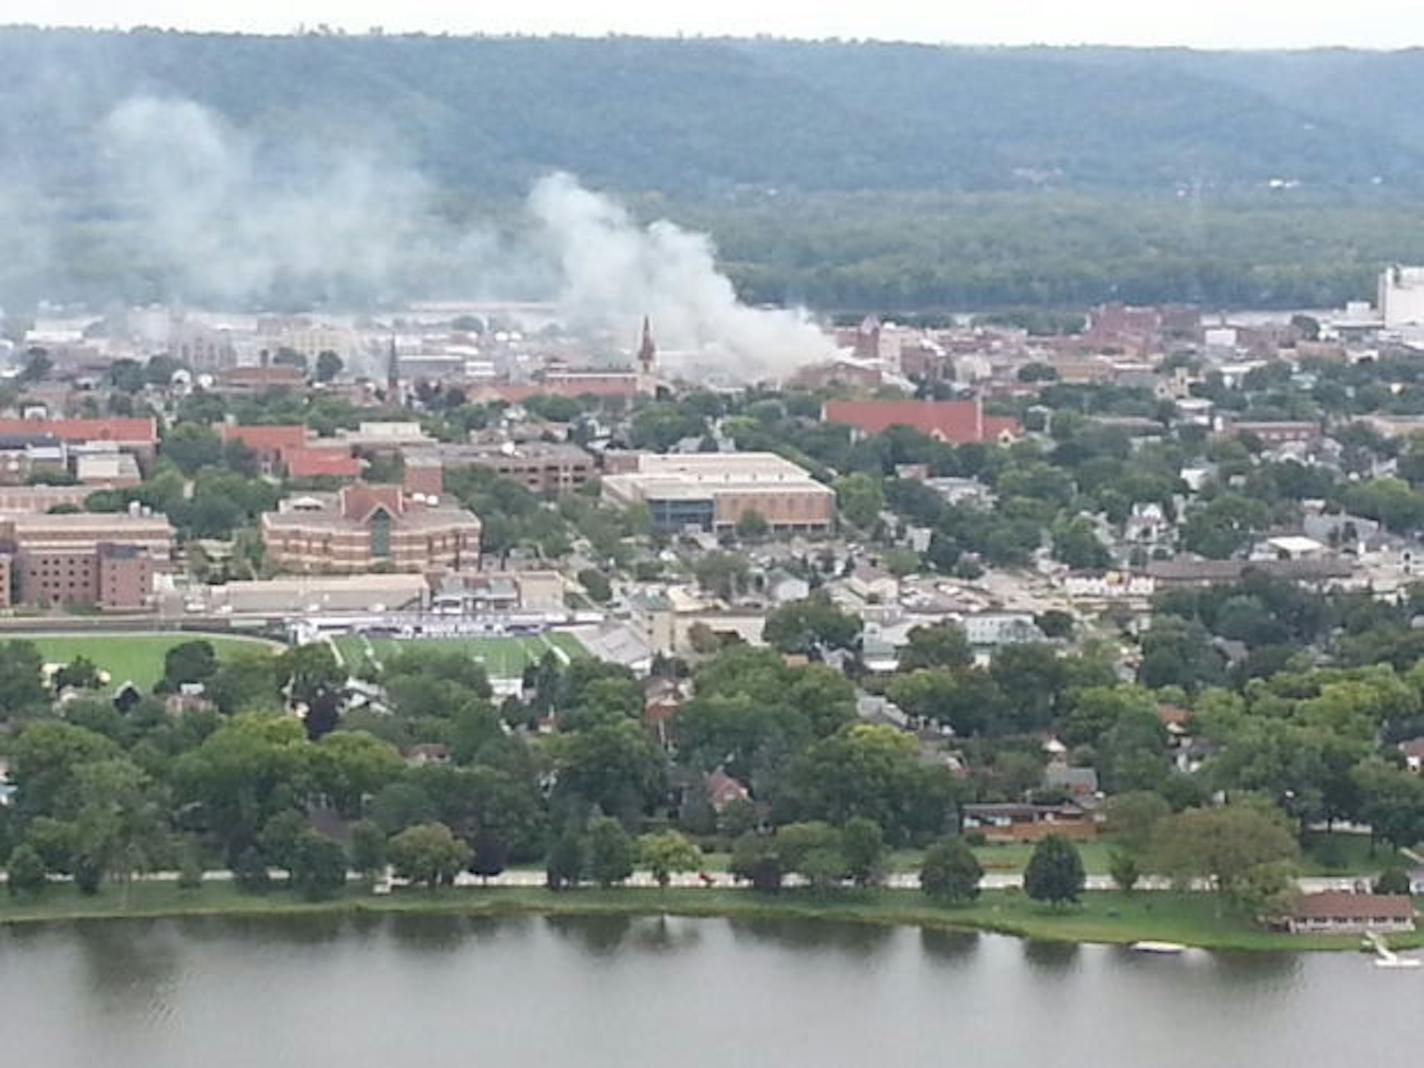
(614, 271)
(351, 226)
(225, 231)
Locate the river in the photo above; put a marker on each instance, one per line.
(422, 991)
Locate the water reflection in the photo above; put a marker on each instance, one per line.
(427, 933)
(131, 966)
(598, 936)
(1060, 957)
(857, 940)
(949, 947)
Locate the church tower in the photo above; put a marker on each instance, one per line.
(647, 360)
(393, 390)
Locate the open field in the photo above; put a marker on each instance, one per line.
(1191, 919)
(503, 657)
(137, 658)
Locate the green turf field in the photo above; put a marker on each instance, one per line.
(503, 657)
(136, 658)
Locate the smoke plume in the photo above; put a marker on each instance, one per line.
(614, 271)
(225, 220)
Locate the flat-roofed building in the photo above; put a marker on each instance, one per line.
(104, 560)
(365, 527)
(541, 466)
(713, 491)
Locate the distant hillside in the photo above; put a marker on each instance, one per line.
(487, 113)
(850, 176)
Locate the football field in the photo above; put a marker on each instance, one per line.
(504, 657)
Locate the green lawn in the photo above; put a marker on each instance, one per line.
(503, 657)
(1192, 919)
(137, 658)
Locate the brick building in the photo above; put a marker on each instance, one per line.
(363, 527)
(541, 466)
(104, 560)
(957, 422)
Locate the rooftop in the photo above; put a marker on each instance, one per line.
(1331, 904)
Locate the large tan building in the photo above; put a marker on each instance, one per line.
(363, 528)
(712, 491)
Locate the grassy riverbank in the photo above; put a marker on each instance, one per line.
(1192, 919)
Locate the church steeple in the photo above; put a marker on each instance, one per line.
(647, 351)
(393, 394)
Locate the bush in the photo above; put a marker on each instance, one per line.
(318, 866)
(1393, 881)
(26, 871)
(977, 839)
(88, 874)
(250, 872)
(190, 869)
(951, 872)
(1055, 871)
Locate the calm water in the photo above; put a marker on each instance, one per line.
(440, 991)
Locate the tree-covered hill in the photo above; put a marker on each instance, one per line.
(697, 115)
(851, 176)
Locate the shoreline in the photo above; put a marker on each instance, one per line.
(1103, 918)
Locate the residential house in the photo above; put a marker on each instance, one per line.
(1341, 912)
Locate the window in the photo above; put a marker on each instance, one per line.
(380, 533)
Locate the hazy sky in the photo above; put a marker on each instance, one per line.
(1199, 23)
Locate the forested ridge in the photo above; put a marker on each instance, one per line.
(847, 175)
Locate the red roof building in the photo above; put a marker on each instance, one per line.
(317, 463)
(132, 433)
(723, 789)
(1340, 912)
(955, 422)
(266, 440)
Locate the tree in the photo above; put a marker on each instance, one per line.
(328, 365)
(668, 854)
(250, 872)
(756, 859)
(279, 837)
(491, 854)
(120, 826)
(566, 862)
(318, 866)
(22, 691)
(863, 846)
(1054, 872)
(26, 871)
(752, 525)
(368, 848)
(940, 646)
(860, 499)
(806, 626)
(1131, 819)
(595, 583)
(193, 661)
(190, 867)
(191, 446)
(1222, 844)
(428, 853)
(951, 872)
(617, 767)
(349, 766)
(1123, 867)
(611, 851)
(1393, 881)
(80, 673)
(309, 671)
(721, 573)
